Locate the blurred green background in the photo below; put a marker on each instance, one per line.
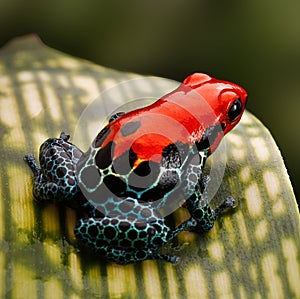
(253, 43)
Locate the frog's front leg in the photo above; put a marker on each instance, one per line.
(55, 180)
(200, 209)
(43, 190)
(123, 240)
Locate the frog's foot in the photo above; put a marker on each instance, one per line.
(173, 259)
(64, 136)
(31, 161)
(229, 202)
(42, 189)
(205, 216)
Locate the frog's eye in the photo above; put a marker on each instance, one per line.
(235, 110)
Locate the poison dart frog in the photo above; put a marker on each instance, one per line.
(142, 165)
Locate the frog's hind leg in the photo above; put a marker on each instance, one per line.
(119, 240)
(43, 190)
(47, 191)
(123, 240)
(126, 256)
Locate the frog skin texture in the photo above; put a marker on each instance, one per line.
(141, 163)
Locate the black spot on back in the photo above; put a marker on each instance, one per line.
(144, 176)
(147, 168)
(203, 143)
(169, 179)
(155, 193)
(130, 128)
(132, 157)
(143, 169)
(123, 164)
(116, 185)
(208, 137)
(173, 154)
(167, 182)
(101, 137)
(103, 158)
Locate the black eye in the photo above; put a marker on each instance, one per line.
(235, 110)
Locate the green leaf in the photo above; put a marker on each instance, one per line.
(252, 252)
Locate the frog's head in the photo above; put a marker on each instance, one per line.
(227, 102)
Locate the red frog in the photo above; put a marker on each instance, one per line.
(142, 165)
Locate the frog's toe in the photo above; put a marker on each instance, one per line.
(30, 160)
(229, 202)
(175, 260)
(28, 157)
(64, 136)
(204, 182)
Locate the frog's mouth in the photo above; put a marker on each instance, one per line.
(211, 138)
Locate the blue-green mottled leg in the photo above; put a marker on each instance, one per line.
(200, 210)
(124, 240)
(43, 190)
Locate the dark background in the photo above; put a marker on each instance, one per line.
(253, 43)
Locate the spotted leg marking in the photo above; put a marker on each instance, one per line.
(43, 190)
(55, 180)
(123, 240)
(200, 209)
